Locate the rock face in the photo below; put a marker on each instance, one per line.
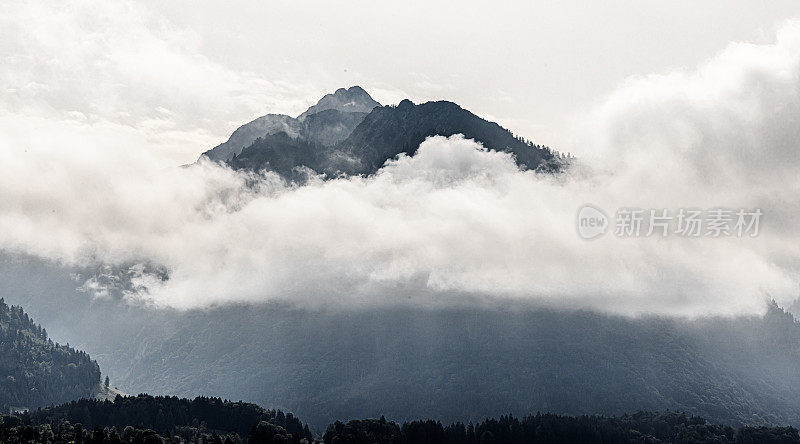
(329, 121)
(329, 146)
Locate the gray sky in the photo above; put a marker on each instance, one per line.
(532, 65)
(182, 75)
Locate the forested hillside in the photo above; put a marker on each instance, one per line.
(36, 372)
(471, 363)
(433, 363)
(272, 428)
(642, 427)
(186, 418)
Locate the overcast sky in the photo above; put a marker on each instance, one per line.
(183, 74)
(669, 105)
(530, 64)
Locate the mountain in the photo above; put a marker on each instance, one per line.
(459, 363)
(329, 121)
(352, 100)
(330, 126)
(34, 371)
(383, 134)
(249, 132)
(389, 131)
(280, 153)
(465, 364)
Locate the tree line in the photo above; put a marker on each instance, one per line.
(170, 415)
(215, 421)
(642, 427)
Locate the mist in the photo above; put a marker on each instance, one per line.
(453, 224)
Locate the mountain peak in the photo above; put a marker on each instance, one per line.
(355, 89)
(352, 104)
(354, 100)
(405, 103)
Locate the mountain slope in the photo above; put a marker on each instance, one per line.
(279, 153)
(339, 113)
(470, 363)
(249, 132)
(383, 134)
(389, 131)
(330, 126)
(36, 372)
(454, 364)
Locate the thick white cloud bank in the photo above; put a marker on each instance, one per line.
(453, 223)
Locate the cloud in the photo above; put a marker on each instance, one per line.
(455, 219)
(101, 63)
(453, 224)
